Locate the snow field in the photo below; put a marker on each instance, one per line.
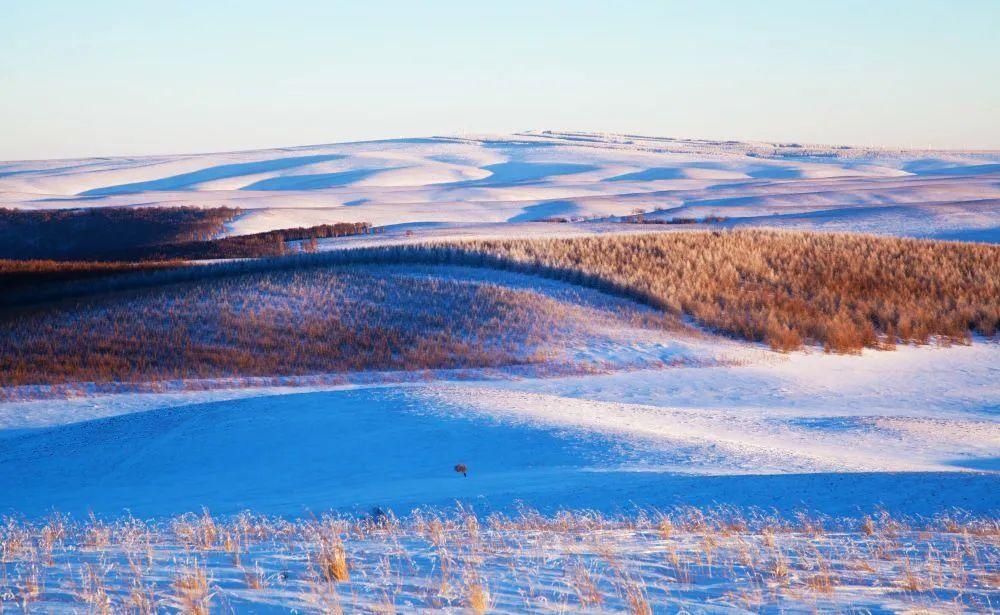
(533, 176)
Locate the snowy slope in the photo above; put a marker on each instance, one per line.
(915, 431)
(533, 176)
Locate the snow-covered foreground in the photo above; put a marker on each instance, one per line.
(915, 431)
(686, 560)
(430, 184)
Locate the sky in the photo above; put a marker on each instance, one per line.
(127, 77)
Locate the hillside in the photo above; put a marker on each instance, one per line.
(523, 373)
(457, 181)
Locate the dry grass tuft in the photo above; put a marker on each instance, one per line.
(192, 595)
(478, 598)
(255, 578)
(582, 580)
(331, 556)
(142, 600)
(636, 601)
(93, 589)
(98, 535)
(31, 588)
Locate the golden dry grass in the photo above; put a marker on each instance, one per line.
(332, 561)
(478, 597)
(192, 594)
(277, 323)
(301, 315)
(842, 291)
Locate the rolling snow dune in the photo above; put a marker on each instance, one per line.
(389, 447)
(533, 176)
(914, 430)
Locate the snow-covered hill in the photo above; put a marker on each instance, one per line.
(914, 431)
(484, 180)
(666, 423)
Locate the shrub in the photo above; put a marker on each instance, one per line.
(146, 233)
(844, 292)
(280, 322)
(82, 234)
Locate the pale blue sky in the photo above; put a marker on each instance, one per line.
(103, 77)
